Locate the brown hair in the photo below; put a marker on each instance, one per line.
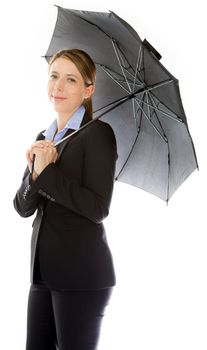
(86, 67)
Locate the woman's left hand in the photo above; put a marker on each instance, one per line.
(45, 153)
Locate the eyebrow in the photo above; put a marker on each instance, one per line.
(68, 75)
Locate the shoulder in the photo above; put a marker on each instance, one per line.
(100, 129)
(100, 135)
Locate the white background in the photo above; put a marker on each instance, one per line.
(160, 301)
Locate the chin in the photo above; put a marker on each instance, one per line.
(59, 109)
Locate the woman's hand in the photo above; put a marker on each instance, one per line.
(43, 153)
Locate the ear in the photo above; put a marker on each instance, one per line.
(89, 91)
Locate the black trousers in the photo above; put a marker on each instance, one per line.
(68, 320)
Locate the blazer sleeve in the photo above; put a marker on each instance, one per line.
(26, 201)
(92, 197)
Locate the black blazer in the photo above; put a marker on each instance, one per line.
(72, 197)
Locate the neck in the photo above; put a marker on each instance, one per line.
(62, 120)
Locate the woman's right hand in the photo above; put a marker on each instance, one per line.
(35, 151)
(30, 158)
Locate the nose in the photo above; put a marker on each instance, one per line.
(59, 84)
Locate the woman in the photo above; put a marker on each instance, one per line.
(70, 186)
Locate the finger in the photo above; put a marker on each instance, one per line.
(36, 148)
(28, 160)
(29, 155)
(44, 143)
(43, 151)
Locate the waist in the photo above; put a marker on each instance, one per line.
(63, 217)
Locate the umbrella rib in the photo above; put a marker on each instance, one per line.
(168, 147)
(196, 161)
(122, 55)
(166, 140)
(138, 70)
(137, 66)
(119, 55)
(110, 72)
(138, 130)
(128, 154)
(124, 99)
(177, 118)
(141, 80)
(147, 95)
(154, 127)
(158, 85)
(134, 115)
(155, 111)
(118, 58)
(95, 25)
(107, 69)
(116, 81)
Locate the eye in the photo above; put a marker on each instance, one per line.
(53, 76)
(71, 80)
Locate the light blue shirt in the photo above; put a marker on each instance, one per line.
(73, 123)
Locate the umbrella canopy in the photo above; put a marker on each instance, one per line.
(136, 95)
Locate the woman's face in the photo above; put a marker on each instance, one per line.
(66, 87)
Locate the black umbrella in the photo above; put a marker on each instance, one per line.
(136, 95)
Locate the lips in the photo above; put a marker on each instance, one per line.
(58, 98)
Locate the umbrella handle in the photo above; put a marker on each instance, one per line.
(33, 164)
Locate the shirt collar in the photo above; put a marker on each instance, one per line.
(73, 123)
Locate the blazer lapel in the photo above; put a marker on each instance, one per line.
(40, 136)
(61, 146)
(86, 119)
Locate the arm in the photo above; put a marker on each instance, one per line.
(92, 198)
(25, 201)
